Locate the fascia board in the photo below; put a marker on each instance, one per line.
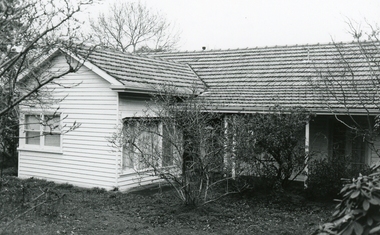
(95, 69)
(234, 110)
(42, 60)
(145, 90)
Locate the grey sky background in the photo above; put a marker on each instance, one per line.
(231, 24)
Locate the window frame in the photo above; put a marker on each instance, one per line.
(42, 147)
(343, 142)
(133, 163)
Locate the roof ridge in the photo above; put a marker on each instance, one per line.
(139, 55)
(352, 42)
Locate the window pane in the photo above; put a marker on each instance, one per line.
(128, 156)
(146, 138)
(130, 130)
(51, 123)
(53, 140)
(167, 147)
(149, 143)
(32, 138)
(32, 122)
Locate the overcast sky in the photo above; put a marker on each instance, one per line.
(230, 24)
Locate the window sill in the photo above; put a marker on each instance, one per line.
(55, 151)
(127, 172)
(135, 171)
(145, 170)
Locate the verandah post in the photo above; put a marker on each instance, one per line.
(307, 150)
(225, 157)
(229, 154)
(233, 156)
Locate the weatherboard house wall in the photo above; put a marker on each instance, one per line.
(98, 102)
(85, 158)
(112, 86)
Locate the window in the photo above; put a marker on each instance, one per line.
(42, 130)
(346, 143)
(168, 150)
(148, 143)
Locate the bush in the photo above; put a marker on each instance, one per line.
(271, 141)
(359, 210)
(325, 177)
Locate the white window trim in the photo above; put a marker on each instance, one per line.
(41, 147)
(135, 168)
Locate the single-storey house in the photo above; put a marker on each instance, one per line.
(335, 81)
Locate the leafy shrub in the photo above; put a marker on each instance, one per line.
(359, 210)
(272, 141)
(325, 177)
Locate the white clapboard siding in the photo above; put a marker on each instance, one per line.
(69, 161)
(96, 116)
(89, 121)
(134, 105)
(62, 172)
(87, 159)
(134, 179)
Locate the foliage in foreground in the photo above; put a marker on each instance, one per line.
(359, 210)
(325, 177)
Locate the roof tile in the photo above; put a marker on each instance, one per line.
(318, 77)
(133, 69)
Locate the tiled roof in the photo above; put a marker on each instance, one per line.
(320, 77)
(143, 72)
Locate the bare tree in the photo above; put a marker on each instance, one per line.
(129, 26)
(183, 142)
(351, 84)
(31, 32)
(33, 29)
(202, 153)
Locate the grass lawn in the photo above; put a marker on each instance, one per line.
(95, 211)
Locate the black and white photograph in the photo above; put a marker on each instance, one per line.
(190, 117)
